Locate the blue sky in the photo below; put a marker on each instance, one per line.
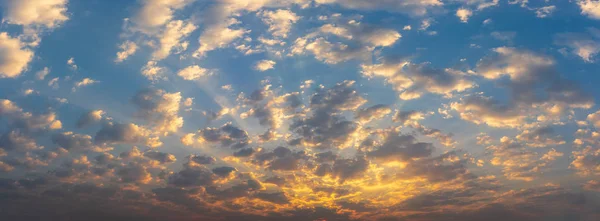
(326, 109)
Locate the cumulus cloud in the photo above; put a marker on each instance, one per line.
(526, 71)
(13, 57)
(463, 14)
(84, 82)
(584, 45)
(413, 8)
(589, 8)
(48, 13)
(264, 65)
(371, 113)
(360, 39)
(116, 133)
(160, 109)
(89, 118)
(279, 21)
(193, 72)
(171, 38)
(414, 80)
(127, 49)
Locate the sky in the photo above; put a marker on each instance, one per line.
(407, 110)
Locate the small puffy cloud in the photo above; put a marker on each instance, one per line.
(84, 82)
(19, 118)
(463, 14)
(413, 8)
(540, 137)
(71, 63)
(49, 13)
(584, 45)
(116, 133)
(264, 65)
(590, 8)
(77, 142)
(127, 49)
(279, 21)
(160, 157)
(520, 163)
(17, 140)
(153, 14)
(545, 11)
(358, 40)
(594, 118)
(484, 110)
(170, 38)
(152, 71)
(397, 147)
(193, 72)
(89, 118)
(41, 74)
(414, 80)
(134, 173)
(13, 58)
(371, 113)
(160, 109)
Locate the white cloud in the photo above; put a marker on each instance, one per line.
(584, 45)
(590, 8)
(545, 11)
(410, 7)
(13, 58)
(280, 21)
(84, 82)
(155, 13)
(264, 65)
(193, 72)
(463, 14)
(171, 38)
(71, 63)
(127, 49)
(41, 74)
(49, 13)
(152, 71)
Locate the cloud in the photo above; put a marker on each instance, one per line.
(358, 40)
(323, 127)
(193, 72)
(372, 113)
(463, 14)
(414, 80)
(152, 71)
(89, 118)
(589, 8)
(160, 109)
(16, 140)
(537, 91)
(584, 45)
(77, 142)
(116, 133)
(518, 162)
(413, 8)
(160, 157)
(264, 65)
(18, 118)
(128, 48)
(48, 13)
(84, 82)
(545, 11)
(402, 148)
(13, 57)
(153, 14)
(171, 38)
(279, 21)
